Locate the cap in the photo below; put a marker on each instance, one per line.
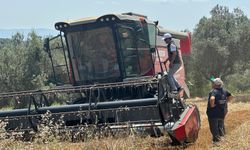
(166, 35)
(217, 81)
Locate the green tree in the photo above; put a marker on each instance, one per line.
(22, 65)
(36, 61)
(218, 45)
(11, 63)
(21, 62)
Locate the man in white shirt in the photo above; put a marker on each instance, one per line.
(174, 62)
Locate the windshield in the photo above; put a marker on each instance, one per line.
(93, 54)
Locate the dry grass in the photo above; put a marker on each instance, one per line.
(237, 127)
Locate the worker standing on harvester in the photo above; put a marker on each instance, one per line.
(217, 109)
(174, 62)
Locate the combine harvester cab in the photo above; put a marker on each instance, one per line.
(113, 65)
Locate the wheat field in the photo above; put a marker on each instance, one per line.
(237, 138)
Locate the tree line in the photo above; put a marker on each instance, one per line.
(220, 48)
(23, 63)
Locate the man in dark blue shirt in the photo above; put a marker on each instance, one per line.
(217, 109)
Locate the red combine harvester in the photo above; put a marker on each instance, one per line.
(113, 65)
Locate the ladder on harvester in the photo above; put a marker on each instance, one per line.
(57, 66)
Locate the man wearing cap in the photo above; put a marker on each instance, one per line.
(217, 109)
(174, 62)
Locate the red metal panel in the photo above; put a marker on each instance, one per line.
(192, 127)
(185, 45)
(179, 133)
(189, 126)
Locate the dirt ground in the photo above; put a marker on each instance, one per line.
(238, 117)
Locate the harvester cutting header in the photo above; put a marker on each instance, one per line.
(116, 77)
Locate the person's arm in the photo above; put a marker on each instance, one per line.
(230, 98)
(166, 61)
(212, 101)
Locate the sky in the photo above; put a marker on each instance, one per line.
(172, 14)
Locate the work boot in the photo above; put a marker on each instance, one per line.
(216, 144)
(174, 92)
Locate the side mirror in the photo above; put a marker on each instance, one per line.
(46, 45)
(156, 23)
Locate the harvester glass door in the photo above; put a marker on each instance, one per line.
(135, 49)
(129, 52)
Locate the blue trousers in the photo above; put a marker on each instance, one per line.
(217, 128)
(173, 83)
